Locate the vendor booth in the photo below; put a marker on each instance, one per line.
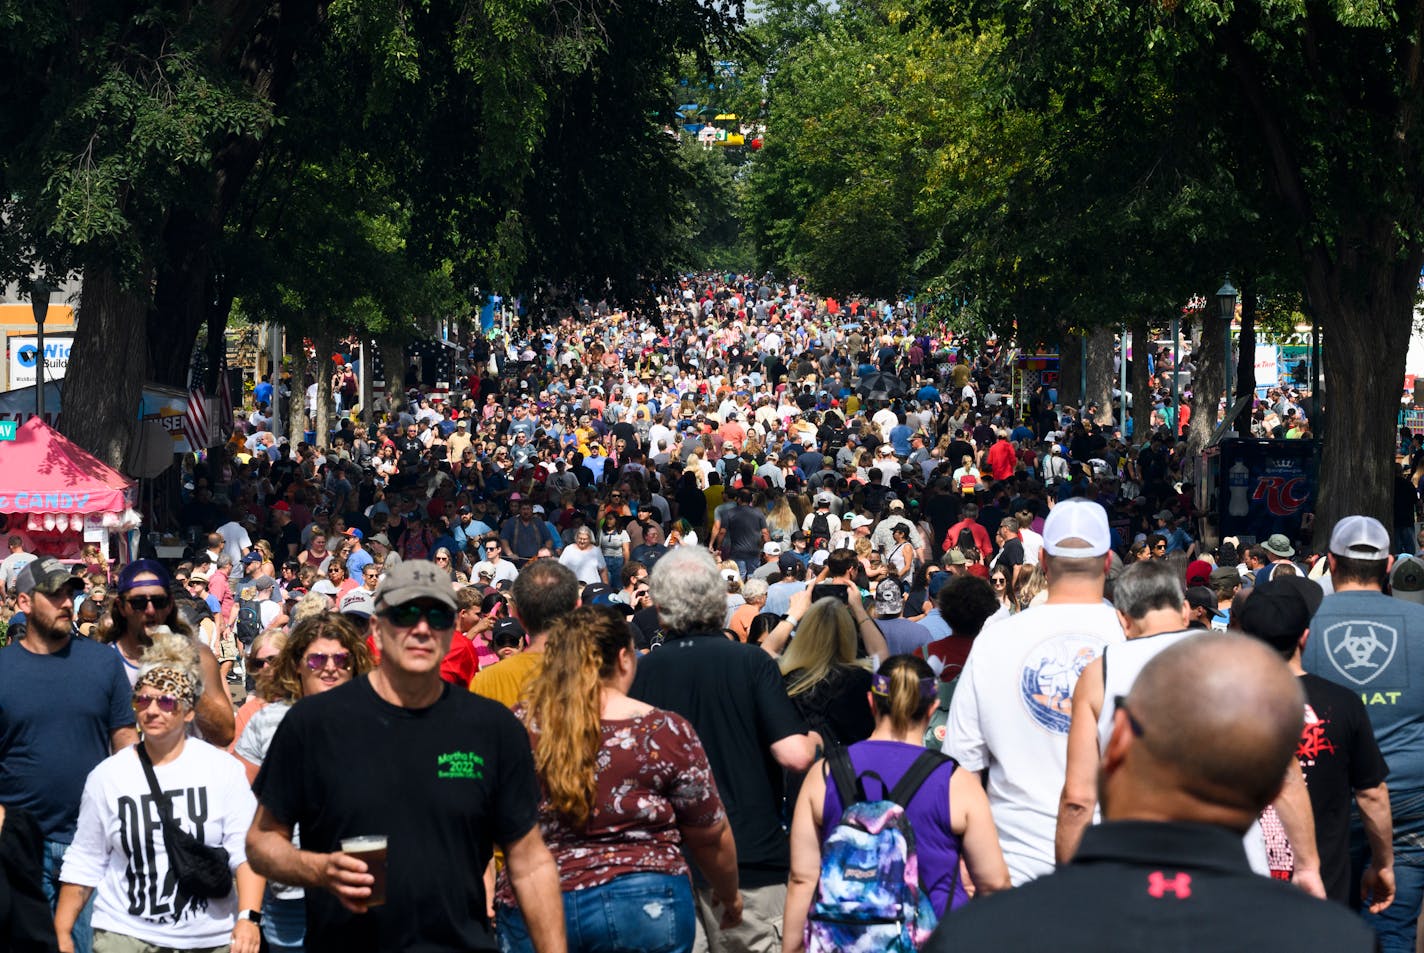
(59, 498)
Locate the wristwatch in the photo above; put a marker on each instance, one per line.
(252, 916)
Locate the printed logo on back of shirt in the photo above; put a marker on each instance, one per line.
(1050, 671)
(1361, 649)
(460, 764)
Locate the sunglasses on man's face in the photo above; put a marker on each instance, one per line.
(410, 614)
(166, 703)
(143, 602)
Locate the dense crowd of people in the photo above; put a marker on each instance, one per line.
(762, 622)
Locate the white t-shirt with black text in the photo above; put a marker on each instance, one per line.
(118, 847)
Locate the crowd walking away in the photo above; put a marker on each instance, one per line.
(753, 620)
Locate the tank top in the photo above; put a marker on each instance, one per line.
(936, 845)
(1121, 664)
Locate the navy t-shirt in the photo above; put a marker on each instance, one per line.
(56, 715)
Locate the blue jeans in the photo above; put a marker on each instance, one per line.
(615, 571)
(635, 913)
(1396, 925)
(53, 861)
(284, 923)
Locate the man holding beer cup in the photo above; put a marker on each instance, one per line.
(401, 786)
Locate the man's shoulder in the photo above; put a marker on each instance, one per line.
(1105, 907)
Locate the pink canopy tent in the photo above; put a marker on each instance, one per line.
(42, 471)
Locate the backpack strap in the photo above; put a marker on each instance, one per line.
(925, 765)
(848, 786)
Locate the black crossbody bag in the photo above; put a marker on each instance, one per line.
(201, 871)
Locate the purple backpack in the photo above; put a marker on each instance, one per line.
(870, 897)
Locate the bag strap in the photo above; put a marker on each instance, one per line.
(165, 810)
(925, 765)
(848, 786)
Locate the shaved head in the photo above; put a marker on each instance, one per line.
(1217, 720)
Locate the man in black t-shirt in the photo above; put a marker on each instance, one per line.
(733, 695)
(1337, 750)
(442, 774)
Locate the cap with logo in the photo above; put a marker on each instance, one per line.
(889, 599)
(415, 579)
(359, 603)
(787, 562)
(1082, 521)
(1360, 537)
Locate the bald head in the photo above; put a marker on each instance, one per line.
(1217, 721)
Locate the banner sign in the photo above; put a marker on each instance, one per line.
(24, 357)
(1266, 486)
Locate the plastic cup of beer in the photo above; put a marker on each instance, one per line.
(370, 848)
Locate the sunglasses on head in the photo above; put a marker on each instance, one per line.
(166, 703)
(143, 602)
(410, 614)
(317, 661)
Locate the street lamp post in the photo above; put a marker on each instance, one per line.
(39, 302)
(1226, 307)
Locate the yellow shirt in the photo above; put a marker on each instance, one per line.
(506, 680)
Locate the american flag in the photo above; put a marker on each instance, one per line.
(195, 421)
(224, 405)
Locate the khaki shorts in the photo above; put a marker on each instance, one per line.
(106, 942)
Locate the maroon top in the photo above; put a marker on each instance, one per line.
(653, 778)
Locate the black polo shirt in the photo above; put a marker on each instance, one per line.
(1165, 887)
(733, 695)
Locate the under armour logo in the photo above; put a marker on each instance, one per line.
(1158, 885)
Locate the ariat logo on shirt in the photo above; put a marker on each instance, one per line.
(460, 764)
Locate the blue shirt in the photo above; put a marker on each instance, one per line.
(900, 439)
(262, 393)
(357, 562)
(57, 713)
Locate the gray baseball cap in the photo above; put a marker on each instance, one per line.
(415, 579)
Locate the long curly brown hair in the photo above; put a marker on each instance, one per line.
(281, 680)
(563, 712)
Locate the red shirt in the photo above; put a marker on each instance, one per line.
(461, 662)
(1001, 459)
(980, 534)
(952, 650)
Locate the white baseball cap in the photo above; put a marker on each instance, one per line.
(1080, 520)
(772, 549)
(1360, 537)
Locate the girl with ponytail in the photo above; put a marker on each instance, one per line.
(949, 811)
(625, 787)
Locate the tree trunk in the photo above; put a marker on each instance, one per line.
(1207, 381)
(297, 403)
(325, 344)
(1070, 372)
(1101, 373)
(1365, 336)
(393, 361)
(1139, 380)
(107, 368)
(1246, 353)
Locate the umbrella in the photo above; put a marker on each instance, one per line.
(881, 385)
